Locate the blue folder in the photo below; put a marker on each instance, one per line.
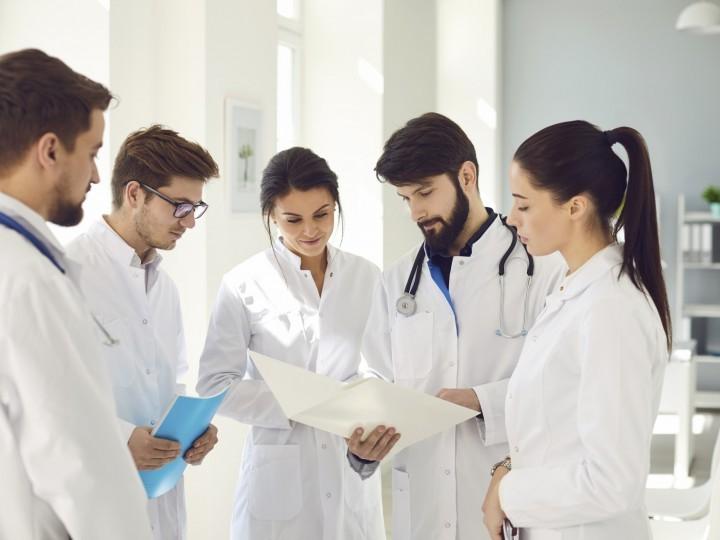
(186, 419)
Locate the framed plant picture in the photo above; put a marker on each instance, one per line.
(243, 155)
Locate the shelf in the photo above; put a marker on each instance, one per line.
(701, 310)
(700, 217)
(702, 266)
(707, 400)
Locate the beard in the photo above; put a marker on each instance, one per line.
(146, 230)
(442, 240)
(66, 213)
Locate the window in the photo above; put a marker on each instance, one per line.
(289, 59)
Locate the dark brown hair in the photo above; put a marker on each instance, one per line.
(40, 94)
(576, 157)
(428, 145)
(155, 154)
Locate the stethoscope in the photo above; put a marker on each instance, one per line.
(406, 304)
(16, 226)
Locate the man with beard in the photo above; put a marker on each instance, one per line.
(444, 323)
(65, 470)
(157, 186)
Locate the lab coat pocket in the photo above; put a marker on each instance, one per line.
(275, 484)
(401, 505)
(114, 337)
(412, 345)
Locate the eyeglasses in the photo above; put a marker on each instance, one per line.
(182, 208)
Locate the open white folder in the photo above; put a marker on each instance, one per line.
(324, 403)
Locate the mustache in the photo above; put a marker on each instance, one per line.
(429, 222)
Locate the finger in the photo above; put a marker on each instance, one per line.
(162, 454)
(354, 441)
(389, 446)
(383, 441)
(373, 438)
(165, 444)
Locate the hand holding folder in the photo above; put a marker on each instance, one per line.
(185, 420)
(324, 403)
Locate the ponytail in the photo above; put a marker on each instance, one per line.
(576, 157)
(638, 218)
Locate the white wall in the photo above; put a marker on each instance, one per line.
(78, 35)
(467, 82)
(342, 109)
(410, 69)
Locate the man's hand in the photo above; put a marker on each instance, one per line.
(149, 452)
(202, 446)
(376, 446)
(465, 397)
(494, 515)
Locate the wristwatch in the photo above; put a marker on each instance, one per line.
(507, 463)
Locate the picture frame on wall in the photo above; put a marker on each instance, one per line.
(243, 155)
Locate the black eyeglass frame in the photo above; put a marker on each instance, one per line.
(178, 213)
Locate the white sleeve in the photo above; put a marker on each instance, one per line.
(492, 404)
(181, 362)
(376, 345)
(224, 361)
(61, 406)
(615, 416)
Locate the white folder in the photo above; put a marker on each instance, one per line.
(324, 403)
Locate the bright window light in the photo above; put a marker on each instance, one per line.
(287, 8)
(285, 97)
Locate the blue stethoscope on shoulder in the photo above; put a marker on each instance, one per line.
(406, 304)
(23, 231)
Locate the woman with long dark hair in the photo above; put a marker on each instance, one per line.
(304, 302)
(583, 398)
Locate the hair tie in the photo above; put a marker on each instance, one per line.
(610, 137)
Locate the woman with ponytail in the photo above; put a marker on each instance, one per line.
(583, 398)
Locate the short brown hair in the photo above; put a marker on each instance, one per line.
(40, 94)
(155, 154)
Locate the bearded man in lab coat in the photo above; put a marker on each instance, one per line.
(456, 343)
(65, 470)
(157, 187)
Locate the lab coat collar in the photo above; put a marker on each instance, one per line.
(119, 249)
(34, 221)
(604, 261)
(294, 260)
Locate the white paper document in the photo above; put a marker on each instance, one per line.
(324, 403)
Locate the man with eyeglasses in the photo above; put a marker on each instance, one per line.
(157, 185)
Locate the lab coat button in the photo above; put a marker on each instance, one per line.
(328, 494)
(147, 371)
(144, 321)
(323, 446)
(152, 422)
(516, 449)
(462, 263)
(452, 364)
(448, 524)
(447, 472)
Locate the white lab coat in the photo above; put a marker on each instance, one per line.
(65, 468)
(295, 482)
(581, 407)
(439, 484)
(139, 306)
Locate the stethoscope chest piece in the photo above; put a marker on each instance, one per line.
(406, 304)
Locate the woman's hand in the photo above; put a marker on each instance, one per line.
(494, 515)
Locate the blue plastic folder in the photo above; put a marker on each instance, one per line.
(185, 420)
